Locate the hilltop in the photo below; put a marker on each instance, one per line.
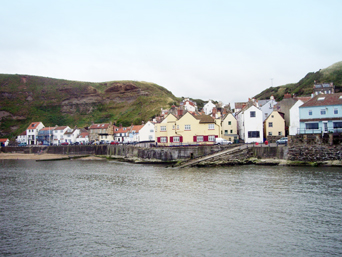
(25, 98)
(304, 87)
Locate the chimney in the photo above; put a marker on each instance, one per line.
(142, 122)
(287, 96)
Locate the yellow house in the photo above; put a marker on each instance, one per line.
(274, 126)
(229, 128)
(188, 130)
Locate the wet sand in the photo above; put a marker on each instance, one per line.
(23, 156)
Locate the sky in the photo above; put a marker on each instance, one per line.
(222, 50)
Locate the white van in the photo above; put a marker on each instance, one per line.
(221, 141)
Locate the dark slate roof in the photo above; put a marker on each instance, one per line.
(204, 119)
(324, 99)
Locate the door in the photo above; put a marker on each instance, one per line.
(325, 127)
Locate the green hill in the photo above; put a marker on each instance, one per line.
(24, 99)
(304, 87)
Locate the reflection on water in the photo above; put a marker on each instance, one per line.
(109, 208)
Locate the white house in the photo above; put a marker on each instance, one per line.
(32, 132)
(189, 105)
(266, 107)
(208, 107)
(294, 118)
(4, 141)
(83, 138)
(250, 124)
(58, 134)
(71, 135)
(147, 132)
(22, 138)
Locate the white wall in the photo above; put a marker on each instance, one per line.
(294, 118)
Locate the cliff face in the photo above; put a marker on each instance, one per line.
(24, 99)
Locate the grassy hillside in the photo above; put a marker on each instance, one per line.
(304, 87)
(24, 99)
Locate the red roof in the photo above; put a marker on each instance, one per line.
(136, 128)
(84, 134)
(60, 128)
(99, 126)
(323, 100)
(123, 130)
(3, 139)
(23, 133)
(48, 128)
(33, 125)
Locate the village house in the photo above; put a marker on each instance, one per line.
(71, 135)
(32, 132)
(229, 128)
(274, 126)
(294, 115)
(146, 133)
(188, 130)
(4, 142)
(324, 88)
(134, 133)
(121, 133)
(250, 123)
(83, 138)
(103, 131)
(45, 136)
(58, 134)
(321, 114)
(22, 138)
(188, 105)
(208, 107)
(267, 106)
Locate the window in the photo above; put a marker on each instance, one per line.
(226, 131)
(320, 98)
(163, 139)
(280, 133)
(311, 125)
(270, 133)
(229, 123)
(178, 127)
(211, 138)
(176, 139)
(199, 138)
(270, 124)
(335, 111)
(162, 128)
(151, 130)
(310, 112)
(231, 131)
(266, 114)
(253, 134)
(211, 126)
(173, 127)
(156, 128)
(187, 127)
(337, 124)
(323, 112)
(252, 114)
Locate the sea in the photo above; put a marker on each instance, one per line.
(109, 208)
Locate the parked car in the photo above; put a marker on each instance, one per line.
(23, 144)
(114, 143)
(64, 143)
(221, 141)
(282, 141)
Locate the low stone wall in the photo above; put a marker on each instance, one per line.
(314, 153)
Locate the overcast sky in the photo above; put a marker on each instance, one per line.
(221, 50)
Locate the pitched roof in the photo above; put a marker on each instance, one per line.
(4, 139)
(136, 128)
(48, 128)
(324, 99)
(60, 128)
(33, 125)
(204, 119)
(99, 126)
(23, 133)
(83, 135)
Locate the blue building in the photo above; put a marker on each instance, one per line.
(321, 114)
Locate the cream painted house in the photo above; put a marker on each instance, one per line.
(229, 128)
(188, 130)
(274, 126)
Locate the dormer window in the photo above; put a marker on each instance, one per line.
(320, 98)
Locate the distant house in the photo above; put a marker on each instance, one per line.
(274, 126)
(321, 114)
(229, 128)
(208, 107)
(71, 135)
(102, 131)
(22, 138)
(32, 132)
(83, 138)
(4, 142)
(45, 136)
(121, 134)
(58, 134)
(324, 88)
(267, 106)
(250, 123)
(188, 105)
(134, 133)
(147, 133)
(189, 129)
